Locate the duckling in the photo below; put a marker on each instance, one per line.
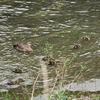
(45, 58)
(49, 61)
(23, 47)
(18, 81)
(86, 38)
(76, 46)
(17, 70)
(11, 83)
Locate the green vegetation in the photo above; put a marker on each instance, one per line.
(7, 96)
(48, 50)
(59, 96)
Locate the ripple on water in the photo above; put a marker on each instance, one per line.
(20, 10)
(4, 28)
(21, 28)
(85, 54)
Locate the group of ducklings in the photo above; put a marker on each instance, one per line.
(50, 61)
(17, 81)
(84, 38)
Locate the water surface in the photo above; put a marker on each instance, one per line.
(61, 23)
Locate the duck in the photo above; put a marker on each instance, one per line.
(23, 47)
(76, 46)
(86, 38)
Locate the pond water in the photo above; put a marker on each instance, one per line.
(58, 22)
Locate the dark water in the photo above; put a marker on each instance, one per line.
(59, 22)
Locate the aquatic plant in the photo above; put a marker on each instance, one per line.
(48, 50)
(59, 96)
(7, 96)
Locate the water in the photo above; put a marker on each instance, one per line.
(60, 23)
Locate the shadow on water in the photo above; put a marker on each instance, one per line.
(61, 23)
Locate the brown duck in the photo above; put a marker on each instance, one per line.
(23, 47)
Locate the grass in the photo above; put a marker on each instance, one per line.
(7, 96)
(59, 95)
(48, 50)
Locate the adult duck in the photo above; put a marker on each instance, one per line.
(23, 47)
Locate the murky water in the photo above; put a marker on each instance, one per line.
(60, 23)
